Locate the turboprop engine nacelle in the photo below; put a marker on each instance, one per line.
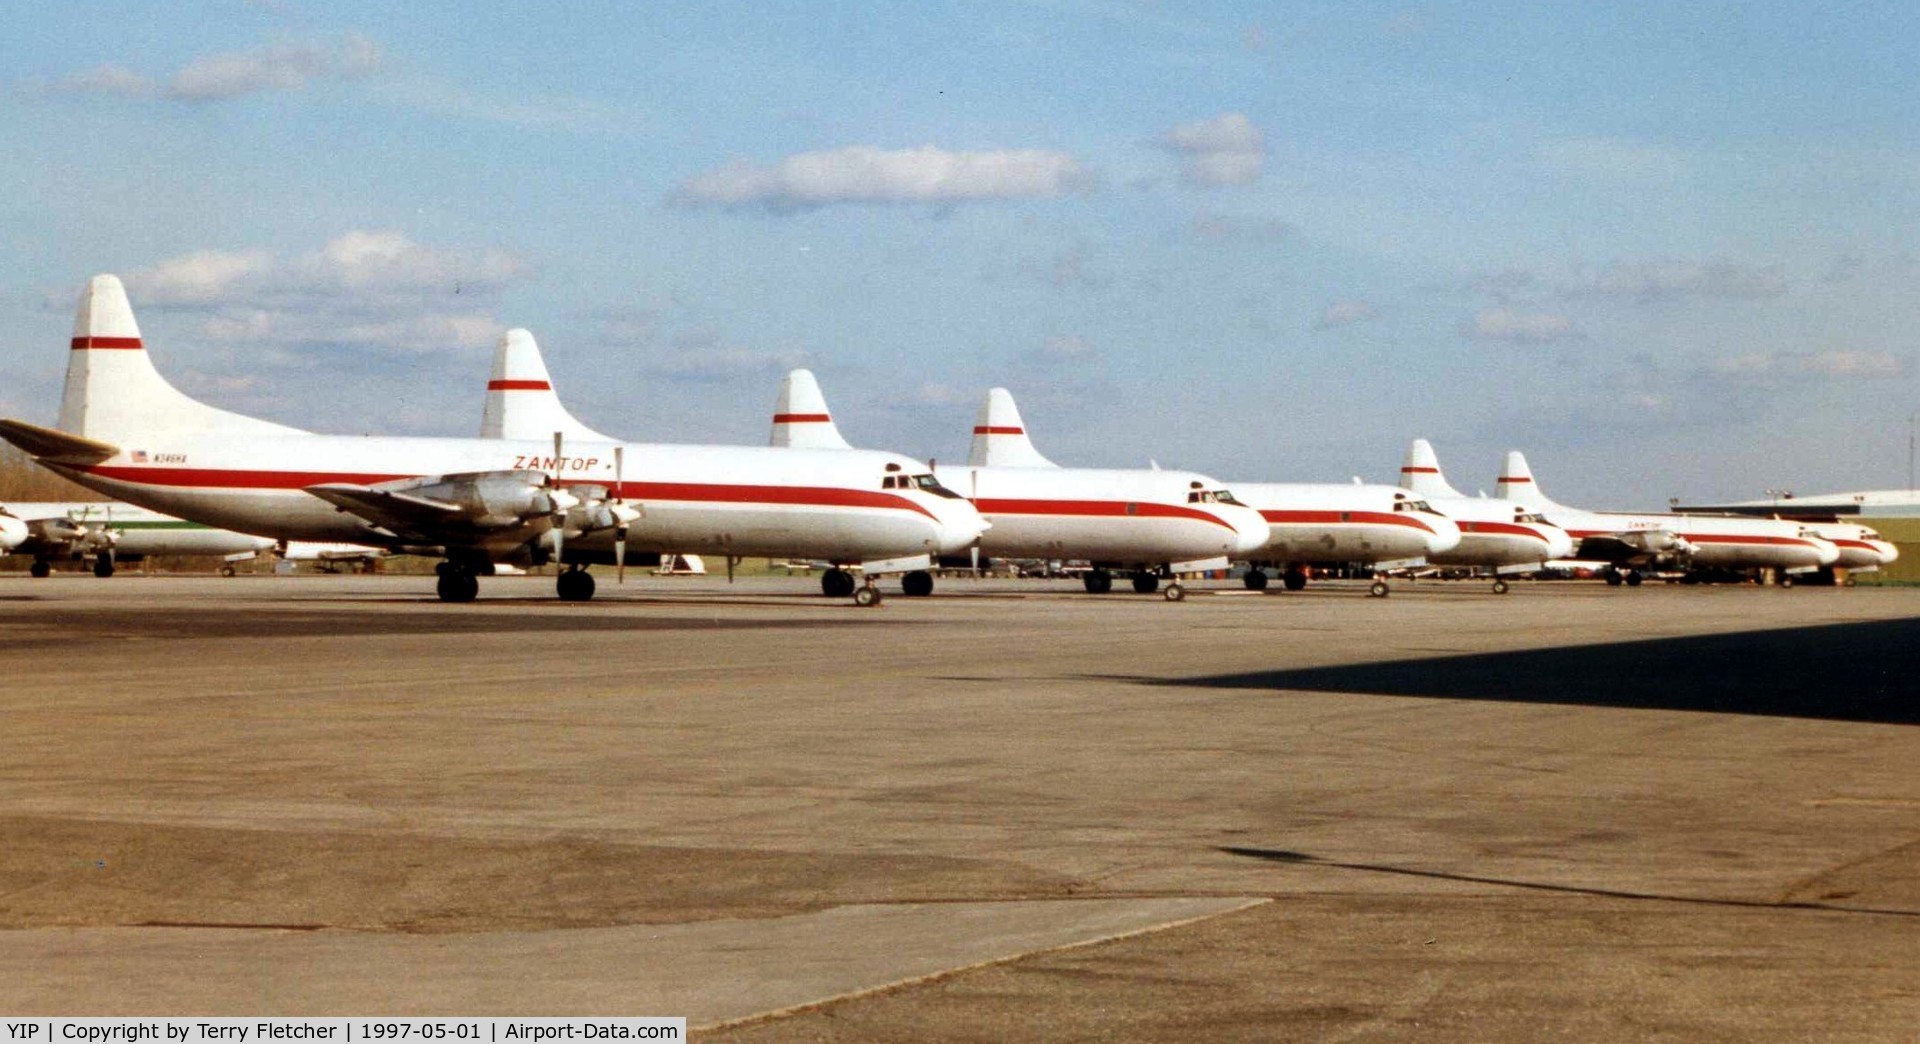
(496, 499)
(1660, 541)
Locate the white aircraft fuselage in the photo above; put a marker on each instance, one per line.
(137, 532)
(1329, 522)
(739, 500)
(1105, 515)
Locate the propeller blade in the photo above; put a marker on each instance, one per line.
(559, 513)
(620, 534)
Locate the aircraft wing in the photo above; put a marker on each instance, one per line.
(1629, 545)
(396, 511)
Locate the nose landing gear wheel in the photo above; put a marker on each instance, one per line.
(1499, 587)
(1145, 583)
(574, 585)
(457, 585)
(1175, 593)
(1786, 580)
(1378, 590)
(868, 595)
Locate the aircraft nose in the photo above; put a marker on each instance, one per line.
(1250, 532)
(1829, 551)
(960, 525)
(1445, 535)
(1559, 541)
(1886, 551)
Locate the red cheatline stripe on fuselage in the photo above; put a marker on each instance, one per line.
(987, 430)
(695, 492)
(803, 418)
(1697, 538)
(1096, 509)
(1352, 518)
(106, 342)
(1504, 529)
(519, 386)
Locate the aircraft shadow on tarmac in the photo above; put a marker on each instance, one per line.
(1863, 672)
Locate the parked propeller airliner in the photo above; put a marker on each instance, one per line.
(111, 532)
(1694, 544)
(522, 403)
(126, 432)
(1147, 523)
(1504, 536)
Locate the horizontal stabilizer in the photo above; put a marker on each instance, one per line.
(56, 446)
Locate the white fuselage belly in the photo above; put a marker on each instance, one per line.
(1489, 536)
(1714, 543)
(738, 500)
(1322, 522)
(1099, 515)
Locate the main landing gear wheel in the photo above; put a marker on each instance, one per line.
(1175, 593)
(574, 585)
(1499, 587)
(103, 565)
(1614, 578)
(1145, 583)
(1256, 580)
(1099, 581)
(867, 595)
(457, 585)
(1634, 578)
(836, 583)
(917, 584)
(40, 569)
(1378, 590)
(1293, 580)
(1785, 581)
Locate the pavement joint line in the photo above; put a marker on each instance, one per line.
(791, 1010)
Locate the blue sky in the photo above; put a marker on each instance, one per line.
(1668, 250)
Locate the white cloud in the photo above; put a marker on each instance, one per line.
(278, 67)
(865, 174)
(370, 289)
(1345, 313)
(217, 77)
(1656, 280)
(1502, 324)
(202, 277)
(1224, 150)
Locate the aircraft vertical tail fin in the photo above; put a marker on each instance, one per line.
(521, 402)
(1516, 481)
(1000, 437)
(800, 415)
(114, 393)
(1421, 474)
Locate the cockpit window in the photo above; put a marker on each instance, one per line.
(1524, 516)
(924, 482)
(1201, 496)
(1412, 505)
(1225, 496)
